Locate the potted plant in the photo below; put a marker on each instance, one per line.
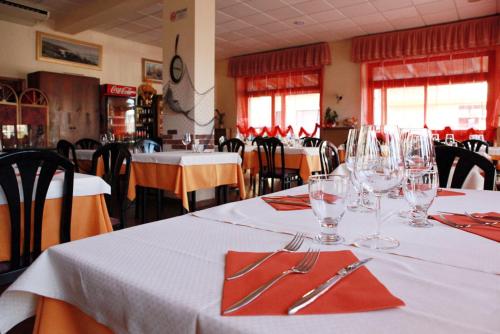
(331, 117)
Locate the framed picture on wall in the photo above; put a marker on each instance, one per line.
(63, 50)
(152, 70)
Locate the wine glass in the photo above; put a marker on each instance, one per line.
(357, 198)
(379, 168)
(420, 189)
(186, 139)
(435, 137)
(327, 196)
(418, 150)
(450, 139)
(104, 139)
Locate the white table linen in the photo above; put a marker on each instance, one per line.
(166, 277)
(83, 185)
(310, 151)
(188, 158)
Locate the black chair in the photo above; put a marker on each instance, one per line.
(266, 153)
(30, 164)
(475, 145)
(88, 144)
(329, 157)
(311, 142)
(116, 160)
(446, 157)
(148, 146)
(65, 148)
(231, 145)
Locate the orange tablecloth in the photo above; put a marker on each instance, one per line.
(306, 164)
(89, 217)
(182, 179)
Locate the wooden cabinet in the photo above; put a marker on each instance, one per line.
(337, 135)
(73, 104)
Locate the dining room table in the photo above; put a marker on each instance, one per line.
(89, 214)
(179, 171)
(169, 276)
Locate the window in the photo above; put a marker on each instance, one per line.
(438, 92)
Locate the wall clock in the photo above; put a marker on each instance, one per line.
(176, 65)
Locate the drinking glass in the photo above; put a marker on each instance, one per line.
(104, 139)
(358, 198)
(418, 150)
(450, 139)
(186, 139)
(379, 168)
(420, 189)
(435, 137)
(327, 195)
(480, 137)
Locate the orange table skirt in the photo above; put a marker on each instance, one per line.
(305, 164)
(89, 217)
(57, 317)
(182, 179)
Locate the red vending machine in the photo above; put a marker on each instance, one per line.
(118, 111)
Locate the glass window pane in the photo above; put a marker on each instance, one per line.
(405, 106)
(377, 106)
(302, 110)
(259, 111)
(459, 106)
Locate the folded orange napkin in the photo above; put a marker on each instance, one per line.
(443, 192)
(289, 206)
(490, 232)
(358, 292)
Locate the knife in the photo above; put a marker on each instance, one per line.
(285, 202)
(315, 293)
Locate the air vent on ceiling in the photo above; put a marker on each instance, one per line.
(22, 13)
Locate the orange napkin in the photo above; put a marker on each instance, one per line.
(489, 232)
(358, 292)
(288, 207)
(443, 193)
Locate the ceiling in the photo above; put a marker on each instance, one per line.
(246, 26)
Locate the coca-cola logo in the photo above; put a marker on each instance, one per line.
(122, 90)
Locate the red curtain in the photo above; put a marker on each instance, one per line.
(287, 60)
(440, 39)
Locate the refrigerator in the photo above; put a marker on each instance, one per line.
(118, 111)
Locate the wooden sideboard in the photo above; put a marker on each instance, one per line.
(337, 135)
(73, 104)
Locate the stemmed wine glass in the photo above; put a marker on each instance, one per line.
(357, 202)
(420, 190)
(379, 168)
(327, 194)
(186, 139)
(450, 139)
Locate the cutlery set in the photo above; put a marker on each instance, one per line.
(304, 266)
(479, 220)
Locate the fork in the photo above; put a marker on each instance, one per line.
(452, 224)
(292, 246)
(477, 216)
(303, 267)
(482, 220)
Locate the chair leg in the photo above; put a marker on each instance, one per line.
(159, 199)
(272, 184)
(225, 190)
(143, 204)
(192, 205)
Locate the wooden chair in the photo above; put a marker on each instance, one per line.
(116, 160)
(475, 145)
(446, 156)
(88, 144)
(65, 148)
(266, 153)
(30, 164)
(148, 146)
(231, 145)
(329, 157)
(311, 142)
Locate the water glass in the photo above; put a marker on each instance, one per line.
(450, 139)
(420, 189)
(327, 195)
(186, 139)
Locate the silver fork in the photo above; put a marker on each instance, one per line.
(481, 221)
(292, 246)
(452, 224)
(303, 267)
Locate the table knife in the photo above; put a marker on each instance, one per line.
(315, 293)
(285, 202)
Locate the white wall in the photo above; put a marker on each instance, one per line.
(121, 58)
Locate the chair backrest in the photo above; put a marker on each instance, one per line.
(88, 144)
(116, 160)
(475, 145)
(233, 145)
(463, 160)
(266, 149)
(67, 150)
(329, 157)
(147, 146)
(33, 170)
(311, 142)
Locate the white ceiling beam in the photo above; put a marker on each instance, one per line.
(96, 13)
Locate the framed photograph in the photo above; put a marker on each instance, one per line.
(62, 50)
(152, 70)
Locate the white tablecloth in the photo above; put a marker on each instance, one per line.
(83, 185)
(166, 277)
(311, 151)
